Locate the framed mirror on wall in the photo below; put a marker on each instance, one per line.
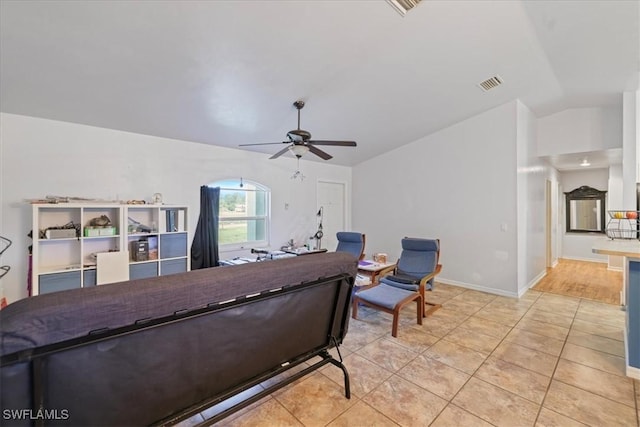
(585, 210)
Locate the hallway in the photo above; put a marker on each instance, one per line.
(583, 279)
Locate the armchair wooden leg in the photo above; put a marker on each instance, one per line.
(420, 307)
(354, 308)
(396, 316)
(432, 308)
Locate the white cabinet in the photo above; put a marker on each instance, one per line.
(68, 236)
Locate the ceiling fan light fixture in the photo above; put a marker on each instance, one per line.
(299, 150)
(585, 163)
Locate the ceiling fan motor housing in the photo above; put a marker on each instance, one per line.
(298, 135)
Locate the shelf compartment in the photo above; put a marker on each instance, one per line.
(173, 245)
(112, 213)
(141, 220)
(89, 278)
(55, 282)
(173, 266)
(143, 270)
(58, 254)
(58, 217)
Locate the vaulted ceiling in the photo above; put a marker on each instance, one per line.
(227, 72)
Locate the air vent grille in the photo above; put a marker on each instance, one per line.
(490, 83)
(403, 6)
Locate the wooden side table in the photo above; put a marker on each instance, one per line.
(374, 269)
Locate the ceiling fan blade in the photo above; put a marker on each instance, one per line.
(264, 143)
(336, 143)
(318, 152)
(279, 153)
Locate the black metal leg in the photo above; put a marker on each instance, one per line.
(347, 386)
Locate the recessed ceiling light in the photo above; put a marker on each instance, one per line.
(585, 163)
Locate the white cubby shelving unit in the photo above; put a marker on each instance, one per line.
(167, 240)
(60, 263)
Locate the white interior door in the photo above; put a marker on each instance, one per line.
(331, 198)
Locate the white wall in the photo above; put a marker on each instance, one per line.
(45, 157)
(630, 148)
(459, 185)
(532, 176)
(614, 201)
(580, 130)
(578, 245)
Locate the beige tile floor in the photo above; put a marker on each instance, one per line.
(481, 360)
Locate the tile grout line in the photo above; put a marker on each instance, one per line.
(488, 356)
(556, 367)
(450, 401)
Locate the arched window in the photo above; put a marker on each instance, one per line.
(244, 215)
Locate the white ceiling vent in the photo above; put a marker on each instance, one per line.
(403, 6)
(490, 83)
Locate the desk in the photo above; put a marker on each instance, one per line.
(374, 269)
(305, 251)
(266, 255)
(630, 250)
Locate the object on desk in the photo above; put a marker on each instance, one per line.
(380, 257)
(364, 263)
(280, 255)
(311, 243)
(319, 234)
(236, 261)
(297, 251)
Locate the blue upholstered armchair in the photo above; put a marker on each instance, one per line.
(352, 242)
(417, 267)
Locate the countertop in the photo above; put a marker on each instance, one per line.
(621, 247)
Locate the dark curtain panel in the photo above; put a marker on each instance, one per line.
(204, 249)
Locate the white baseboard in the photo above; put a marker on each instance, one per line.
(493, 291)
(471, 286)
(554, 264)
(602, 261)
(614, 268)
(532, 283)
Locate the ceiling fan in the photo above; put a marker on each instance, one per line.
(300, 141)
